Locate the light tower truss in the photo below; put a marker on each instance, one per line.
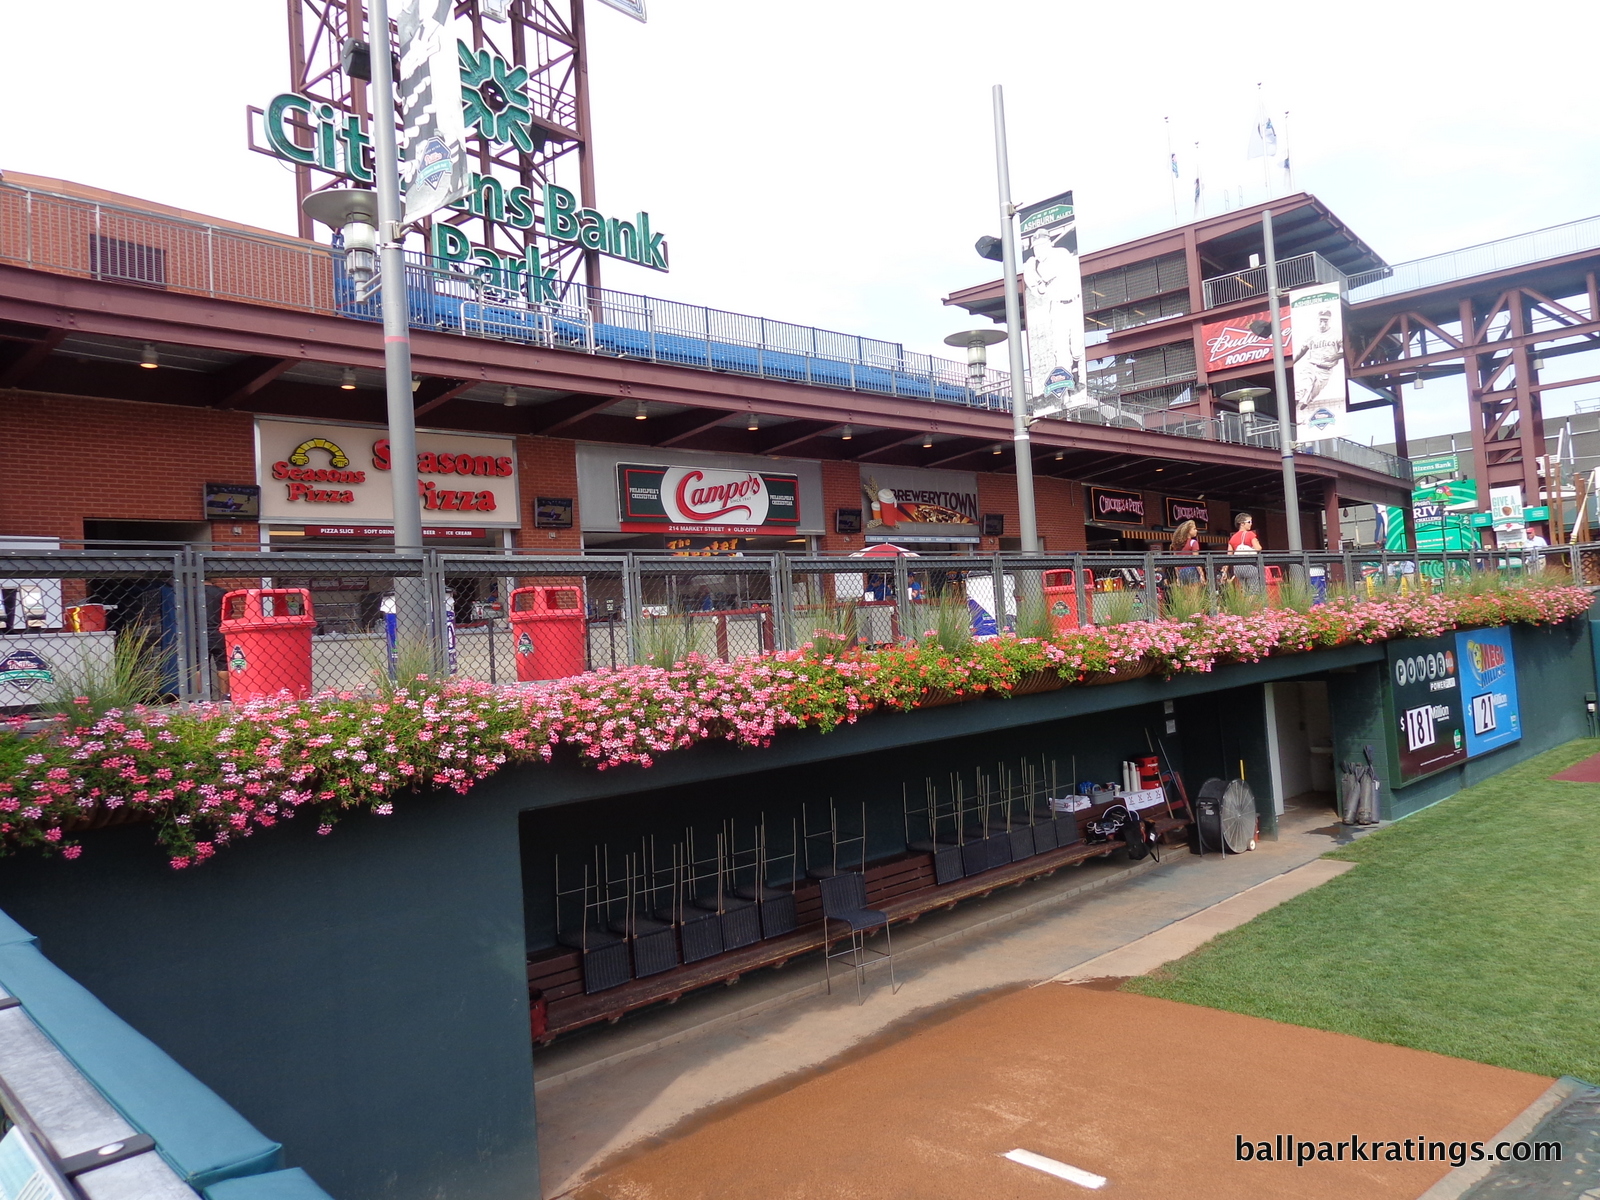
(525, 79)
(1500, 333)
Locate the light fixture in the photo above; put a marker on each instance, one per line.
(1060, 455)
(977, 342)
(1159, 470)
(639, 413)
(927, 440)
(1538, 362)
(150, 359)
(998, 448)
(510, 397)
(1417, 383)
(846, 434)
(754, 423)
(354, 213)
(416, 382)
(348, 382)
(1246, 396)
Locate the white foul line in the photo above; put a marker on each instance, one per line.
(1059, 1169)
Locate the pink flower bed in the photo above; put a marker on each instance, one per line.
(206, 775)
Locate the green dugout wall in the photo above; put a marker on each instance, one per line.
(361, 997)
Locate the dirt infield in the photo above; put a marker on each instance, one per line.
(1149, 1093)
(1587, 771)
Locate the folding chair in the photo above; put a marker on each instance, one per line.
(844, 899)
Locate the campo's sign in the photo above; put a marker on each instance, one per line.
(698, 499)
(313, 473)
(1424, 710)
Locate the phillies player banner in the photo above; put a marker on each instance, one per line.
(1316, 314)
(657, 499)
(1054, 293)
(433, 133)
(1232, 343)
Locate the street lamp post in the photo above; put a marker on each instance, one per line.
(1291, 493)
(1027, 520)
(351, 211)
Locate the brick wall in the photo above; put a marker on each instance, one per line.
(64, 460)
(1057, 504)
(841, 488)
(548, 467)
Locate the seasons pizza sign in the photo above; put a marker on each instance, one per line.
(686, 499)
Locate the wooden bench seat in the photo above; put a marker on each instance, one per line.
(903, 887)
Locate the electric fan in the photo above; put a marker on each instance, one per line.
(1240, 825)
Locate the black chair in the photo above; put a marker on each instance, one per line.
(844, 899)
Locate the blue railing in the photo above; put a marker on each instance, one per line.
(626, 325)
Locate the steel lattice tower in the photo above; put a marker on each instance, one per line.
(546, 39)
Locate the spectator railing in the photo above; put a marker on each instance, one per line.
(106, 628)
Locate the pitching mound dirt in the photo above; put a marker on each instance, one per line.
(1151, 1094)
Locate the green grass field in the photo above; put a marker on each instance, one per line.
(1471, 929)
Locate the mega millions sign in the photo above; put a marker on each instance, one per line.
(693, 499)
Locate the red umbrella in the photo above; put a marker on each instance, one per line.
(885, 550)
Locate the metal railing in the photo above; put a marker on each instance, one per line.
(210, 624)
(1555, 241)
(69, 235)
(1293, 272)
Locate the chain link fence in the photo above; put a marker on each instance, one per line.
(109, 627)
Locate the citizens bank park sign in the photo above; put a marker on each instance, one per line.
(657, 499)
(495, 104)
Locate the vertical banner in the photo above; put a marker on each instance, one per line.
(1506, 515)
(1054, 293)
(1489, 689)
(1316, 323)
(1424, 710)
(433, 133)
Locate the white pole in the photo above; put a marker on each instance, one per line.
(411, 606)
(1021, 444)
(1291, 494)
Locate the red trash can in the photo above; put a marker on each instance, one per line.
(1274, 577)
(549, 629)
(266, 641)
(1061, 598)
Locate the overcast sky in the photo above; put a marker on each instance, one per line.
(832, 163)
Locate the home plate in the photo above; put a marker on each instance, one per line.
(1059, 1169)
